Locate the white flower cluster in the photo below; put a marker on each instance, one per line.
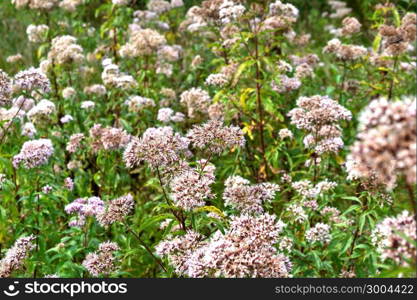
(158, 147)
(116, 210)
(70, 5)
(297, 213)
(285, 133)
(95, 89)
(196, 100)
(386, 142)
(244, 250)
(281, 17)
(65, 50)
(15, 256)
(37, 33)
(230, 11)
(34, 153)
(41, 111)
(247, 198)
(395, 238)
(138, 103)
(108, 138)
(279, 8)
(319, 233)
(103, 261)
(191, 187)
(142, 42)
(166, 115)
(345, 52)
(36, 4)
(29, 130)
(215, 137)
(158, 6)
(5, 88)
(113, 77)
(30, 80)
(308, 190)
(319, 115)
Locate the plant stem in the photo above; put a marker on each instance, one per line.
(37, 226)
(342, 82)
(85, 236)
(115, 45)
(16, 191)
(394, 70)
(146, 247)
(315, 169)
(162, 186)
(180, 219)
(54, 80)
(10, 122)
(205, 163)
(69, 78)
(412, 198)
(260, 106)
(315, 156)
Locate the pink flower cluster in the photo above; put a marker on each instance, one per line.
(84, 207)
(247, 198)
(34, 153)
(319, 115)
(246, 249)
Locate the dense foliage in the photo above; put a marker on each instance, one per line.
(217, 138)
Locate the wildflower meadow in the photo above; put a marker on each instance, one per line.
(215, 138)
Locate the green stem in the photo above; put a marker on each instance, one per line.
(260, 106)
(391, 86)
(37, 225)
(411, 198)
(146, 247)
(180, 218)
(342, 82)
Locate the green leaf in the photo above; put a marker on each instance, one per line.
(397, 18)
(244, 96)
(241, 69)
(352, 198)
(155, 219)
(126, 125)
(347, 245)
(377, 42)
(362, 220)
(212, 209)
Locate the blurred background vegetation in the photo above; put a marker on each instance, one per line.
(13, 24)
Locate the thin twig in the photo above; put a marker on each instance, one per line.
(146, 247)
(180, 219)
(37, 225)
(394, 70)
(11, 121)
